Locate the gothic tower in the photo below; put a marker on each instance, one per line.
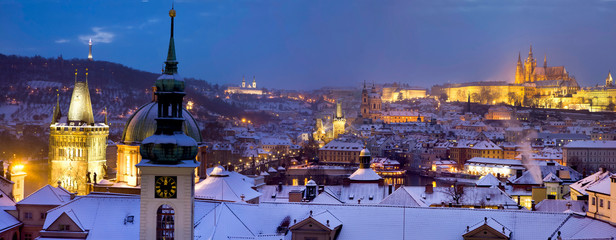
(168, 162)
(339, 121)
(519, 71)
(90, 54)
(364, 107)
(609, 82)
(529, 66)
(77, 147)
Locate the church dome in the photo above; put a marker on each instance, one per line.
(142, 124)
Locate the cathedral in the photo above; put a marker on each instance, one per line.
(528, 71)
(78, 144)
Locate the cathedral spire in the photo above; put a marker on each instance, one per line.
(519, 59)
(545, 61)
(171, 65)
(609, 82)
(530, 52)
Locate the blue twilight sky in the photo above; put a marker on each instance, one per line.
(297, 44)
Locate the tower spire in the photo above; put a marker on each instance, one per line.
(86, 75)
(90, 52)
(75, 75)
(545, 61)
(57, 114)
(171, 65)
(530, 52)
(519, 58)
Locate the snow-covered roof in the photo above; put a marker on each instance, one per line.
(560, 205)
(488, 181)
(47, 195)
(591, 144)
(98, 213)
(364, 174)
(226, 186)
(603, 186)
(581, 185)
(551, 178)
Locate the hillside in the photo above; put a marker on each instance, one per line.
(29, 86)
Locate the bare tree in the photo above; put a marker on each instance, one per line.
(456, 192)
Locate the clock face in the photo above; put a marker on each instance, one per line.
(166, 186)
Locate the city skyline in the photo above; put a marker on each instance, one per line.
(306, 45)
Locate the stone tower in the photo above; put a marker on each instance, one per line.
(77, 147)
(339, 121)
(529, 66)
(519, 72)
(364, 106)
(168, 162)
(609, 82)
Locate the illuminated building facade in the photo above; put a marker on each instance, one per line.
(535, 86)
(339, 121)
(394, 93)
(77, 147)
(245, 88)
(370, 104)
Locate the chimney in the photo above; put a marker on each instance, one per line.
(518, 173)
(73, 195)
(501, 186)
(59, 184)
(279, 186)
(532, 208)
(390, 189)
(429, 188)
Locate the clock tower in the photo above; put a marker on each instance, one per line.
(168, 162)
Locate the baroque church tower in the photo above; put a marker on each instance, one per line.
(168, 162)
(77, 147)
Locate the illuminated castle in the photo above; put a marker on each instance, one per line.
(78, 146)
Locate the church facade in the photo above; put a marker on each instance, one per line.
(245, 88)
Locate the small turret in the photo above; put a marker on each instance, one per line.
(254, 82)
(364, 159)
(57, 113)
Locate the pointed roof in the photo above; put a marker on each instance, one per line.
(551, 178)
(57, 113)
(364, 174)
(487, 181)
(47, 195)
(80, 110)
(519, 58)
(171, 65)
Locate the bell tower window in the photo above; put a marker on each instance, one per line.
(165, 223)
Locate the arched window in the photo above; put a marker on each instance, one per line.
(165, 222)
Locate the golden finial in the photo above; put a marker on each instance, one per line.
(75, 74)
(172, 13)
